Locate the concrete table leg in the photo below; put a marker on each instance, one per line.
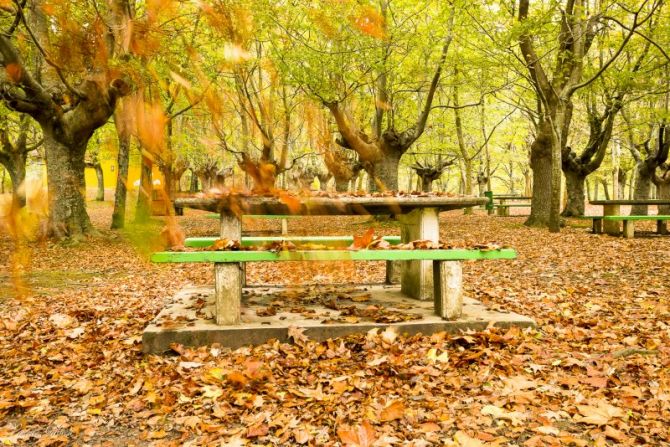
(417, 276)
(448, 295)
(611, 227)
(228, 278)
(628, 229)
(284, 227)
(661, 227)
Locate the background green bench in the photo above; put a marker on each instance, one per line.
(629, 223)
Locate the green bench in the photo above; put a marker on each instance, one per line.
(392, 267)
(629, 223)
(447, 271)
(500, 202)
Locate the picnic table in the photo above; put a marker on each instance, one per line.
(504, 202)
(418, 217)
(611, 218)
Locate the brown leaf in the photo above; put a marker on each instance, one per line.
(395, 410)
(358, 436)
(258, 430)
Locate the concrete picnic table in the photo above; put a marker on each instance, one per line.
(613, 208)
(418, 217)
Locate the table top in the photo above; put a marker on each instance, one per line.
(631, 202)
(324, 206)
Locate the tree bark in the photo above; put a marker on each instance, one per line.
(143, 208)
(540, 164)
(100, 196)
(67, 205)
(384, 173)
(574, 185)
(15, 164)
(121, 193)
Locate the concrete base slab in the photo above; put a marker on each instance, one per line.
(323, 311)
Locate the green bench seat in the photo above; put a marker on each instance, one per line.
(447, 271)
(332, 255)
(629, 223)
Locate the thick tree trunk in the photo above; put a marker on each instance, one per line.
(574, 185)
(642, 190)
(65, 169)
(664, 193)
(100, 176)
(540, 163)
(385, 172)
(143, 208)
(121, 194)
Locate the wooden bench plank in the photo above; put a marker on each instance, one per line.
(332, 255)
(248, 241)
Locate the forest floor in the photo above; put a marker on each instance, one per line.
(595, 371)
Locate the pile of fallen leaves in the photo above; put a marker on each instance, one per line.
(595, 372)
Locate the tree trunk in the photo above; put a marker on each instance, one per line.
(663, 188)
(642, 190)
(15, 164)
(621, 194)
(385, 172)
(65, 169)
(342, 185)
(467, 181)
(540, 164)
(121, 193)
(143, 208)
(605, 188)
(194, 182)
(574, 185)
(100, 196)
(427, 184)
(528, 183)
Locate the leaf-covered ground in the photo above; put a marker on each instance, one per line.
(596, 371)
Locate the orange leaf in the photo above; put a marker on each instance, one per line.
(237, 379)
(292, 202)
(393, 411)
(363, 241)
(13, 72)
(359, 436)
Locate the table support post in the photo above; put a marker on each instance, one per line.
(611, 227)
(448, 279)
(228, 278)
(417, 276)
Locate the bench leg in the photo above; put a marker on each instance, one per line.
(393, 269)
(628, 229)
(448, 295)
(661, 227)
(284, 227)
(227, 292)
(597, 226)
